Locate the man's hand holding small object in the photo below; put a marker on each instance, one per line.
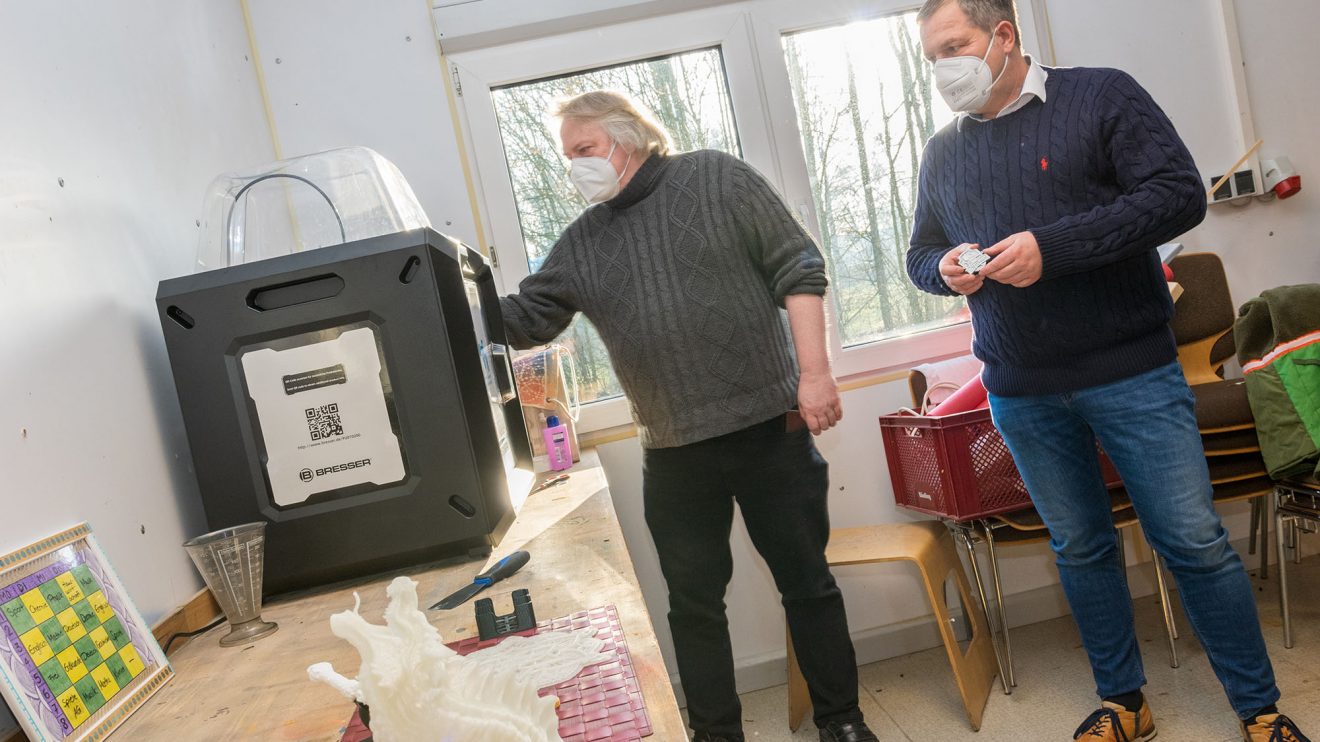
(973, 260)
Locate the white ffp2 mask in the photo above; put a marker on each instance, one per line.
(965, 82)
(595, 178)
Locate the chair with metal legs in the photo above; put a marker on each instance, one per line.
(1023, 526)
(1026, 527)
(1297, 507)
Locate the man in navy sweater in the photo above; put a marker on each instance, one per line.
(1068, 179)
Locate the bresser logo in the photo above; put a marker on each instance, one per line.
(307, 475)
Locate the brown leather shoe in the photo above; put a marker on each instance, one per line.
(1114, 723)
(1272, 728)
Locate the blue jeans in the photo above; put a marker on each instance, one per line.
(1147, 425)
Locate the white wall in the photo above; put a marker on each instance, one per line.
(1272, 244)
(1262, 244)
(346, 72)
(116, 116)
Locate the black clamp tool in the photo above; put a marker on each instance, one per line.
(490, 625)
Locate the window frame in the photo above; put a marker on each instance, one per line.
(748, 35)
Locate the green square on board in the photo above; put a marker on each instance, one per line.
(119, 670)
(87, 651)
(18, 616)
(56, 679)
(84, 611)
(55, 636)
(86, 580)
(117, 633)
(54, 595)
(90, 694)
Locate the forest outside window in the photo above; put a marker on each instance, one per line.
(866, 106)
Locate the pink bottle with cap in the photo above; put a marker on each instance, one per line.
(557, 447)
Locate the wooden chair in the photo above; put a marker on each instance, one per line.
(930, 546)
(1203, 328)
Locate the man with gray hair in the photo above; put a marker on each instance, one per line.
(1071, 178)
(682, 263)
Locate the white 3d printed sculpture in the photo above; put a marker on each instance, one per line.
(420, 690)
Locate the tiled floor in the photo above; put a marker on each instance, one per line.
(914, 698)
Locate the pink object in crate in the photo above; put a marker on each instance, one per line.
(970, 396)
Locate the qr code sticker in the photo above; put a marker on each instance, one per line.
(323, 422)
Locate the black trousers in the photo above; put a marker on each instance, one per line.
(780, 483)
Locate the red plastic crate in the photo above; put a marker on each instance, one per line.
(957, 466)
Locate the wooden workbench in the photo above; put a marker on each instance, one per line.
(261, 691)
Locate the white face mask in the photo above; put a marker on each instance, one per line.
(595, 178)
(966, 82)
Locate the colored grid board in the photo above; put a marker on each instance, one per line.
(69, 641)
(603, 702)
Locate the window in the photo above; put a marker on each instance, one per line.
(865, 107)
(789, 73)
(688, 94)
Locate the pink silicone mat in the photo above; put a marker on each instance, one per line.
(604, 701)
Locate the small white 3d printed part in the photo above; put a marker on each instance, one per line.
(420, 690)
(972, 260)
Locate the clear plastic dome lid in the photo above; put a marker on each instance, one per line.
(303, 203)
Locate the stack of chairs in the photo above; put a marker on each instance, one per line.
(1203, 327)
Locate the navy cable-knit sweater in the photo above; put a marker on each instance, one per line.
(1097, 173)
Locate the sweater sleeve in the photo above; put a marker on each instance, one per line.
(929, 242)
(545, 304)
(1162, 192)
(783, 251)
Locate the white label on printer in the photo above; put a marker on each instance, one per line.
(321, 409)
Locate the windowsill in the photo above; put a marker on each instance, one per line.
(861, 366)
(902, 353)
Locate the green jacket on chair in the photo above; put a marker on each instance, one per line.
(1278, 345)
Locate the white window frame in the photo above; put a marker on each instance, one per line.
(748, 35)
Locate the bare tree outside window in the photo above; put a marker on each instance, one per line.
(688, 93)
(866, 107)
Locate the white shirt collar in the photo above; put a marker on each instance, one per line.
(1032, 85)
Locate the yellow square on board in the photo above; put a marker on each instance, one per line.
(37, 646)
(73, 707)
(73, 628)
(37, 605)
(102, 606)
(70, 587)
(101, 638)
(72, 664)
(105, 680)
(131, 660)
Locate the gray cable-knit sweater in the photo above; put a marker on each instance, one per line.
(684, 274)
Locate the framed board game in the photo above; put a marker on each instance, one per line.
(76, 658)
